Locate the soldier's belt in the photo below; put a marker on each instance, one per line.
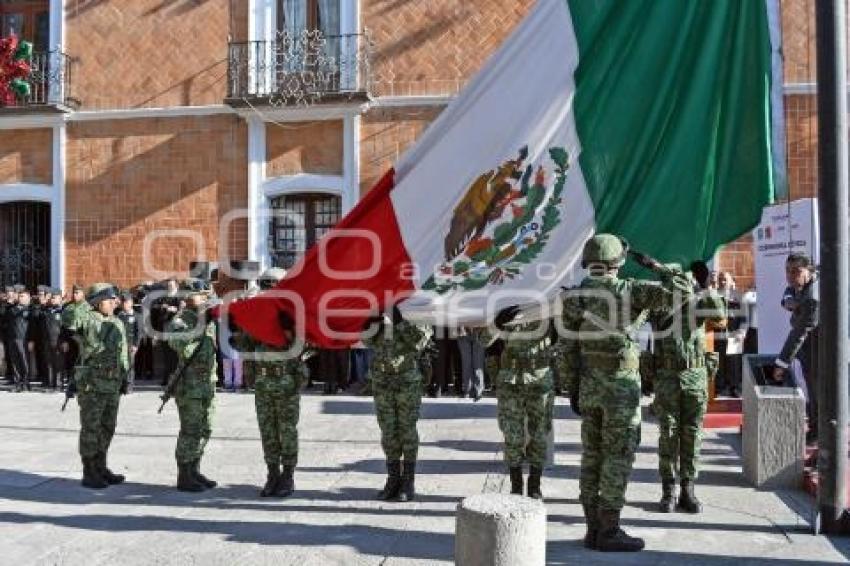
(606, 362)
(681, 365)
(276, 373)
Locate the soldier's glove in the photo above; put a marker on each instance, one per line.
(644, 260)
(574, 404)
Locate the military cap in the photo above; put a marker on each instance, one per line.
(42, 289)
(607, 249)
(77, 287)
(19, 289)
(100, 292)
(9, 289)
(54, 291)
(125, 296)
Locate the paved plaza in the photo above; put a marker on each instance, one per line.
(47, 518)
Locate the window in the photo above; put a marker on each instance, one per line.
(299, 222)
(295, 16)
(28, 19)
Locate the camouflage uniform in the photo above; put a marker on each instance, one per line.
(681, 391)
(103, 366)
(195, 391)
(525, 391)
(277, 397)
(98, 380)
(396, 382)
(600, 370)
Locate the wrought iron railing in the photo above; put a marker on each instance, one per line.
(298, 69)
(50, 81)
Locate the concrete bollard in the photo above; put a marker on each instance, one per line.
(496, 529)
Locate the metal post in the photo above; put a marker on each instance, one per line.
(833, 207)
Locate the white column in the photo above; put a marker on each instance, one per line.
(57, 38)
(57, 209)
(349, 24)
(351, 162)
(257, 206)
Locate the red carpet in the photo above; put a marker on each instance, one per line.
(723, 413)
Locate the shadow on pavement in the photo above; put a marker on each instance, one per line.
(376, 541)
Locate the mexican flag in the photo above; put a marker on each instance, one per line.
(657, 120)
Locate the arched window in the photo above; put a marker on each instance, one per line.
(299, 221)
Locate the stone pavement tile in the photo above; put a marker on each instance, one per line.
(47, 518)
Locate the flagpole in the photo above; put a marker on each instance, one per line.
(833, 208)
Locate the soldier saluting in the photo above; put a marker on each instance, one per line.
(600, 372)
(98, 380)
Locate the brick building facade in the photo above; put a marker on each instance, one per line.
(163, 129)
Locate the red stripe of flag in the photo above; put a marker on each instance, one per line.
(344, 254)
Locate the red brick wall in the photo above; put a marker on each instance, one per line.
(148, 53)
(26, 156)
(434, 46)
(127, 178)
(384, 136)
(305, 147)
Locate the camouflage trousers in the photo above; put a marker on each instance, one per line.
(610, 437)
(277, 416)
(195, 427)
(98, 417)
(397, 406)
(525, 419)
(680, 412)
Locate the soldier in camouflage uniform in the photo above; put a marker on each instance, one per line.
(600, 372)
(526, 398)
(277, 396)
(397, 389)
(99, 380)
(681, 393)
(191, 334)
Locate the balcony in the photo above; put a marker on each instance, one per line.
(50, 85)
(299, 70)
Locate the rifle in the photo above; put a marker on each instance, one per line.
(70, 390)
(177, 376)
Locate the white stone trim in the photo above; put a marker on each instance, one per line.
(351, 163)
(316, 112)
(11, 192)
(800, 88)
(135, 113)
(303, 183)
(58, 208)
(257, 242)
(30, 121)
(56, 41)
(421, 100)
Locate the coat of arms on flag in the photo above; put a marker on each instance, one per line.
(502, 223)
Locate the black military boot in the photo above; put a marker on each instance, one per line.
(688, 502)
(533, 487)
(272, 481)
(667, 496)
(408, 481)
(611, 538)
(591, 517)
(393, 486)
(91, 476)
(201, 478)
(106, 473)
(286, 485)
(516, 480)
(186, 479)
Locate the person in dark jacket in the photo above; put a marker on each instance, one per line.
(801, 342)
(7, 303)
(127, 314)
(51, 321)
(38, 331)
(22, 344)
